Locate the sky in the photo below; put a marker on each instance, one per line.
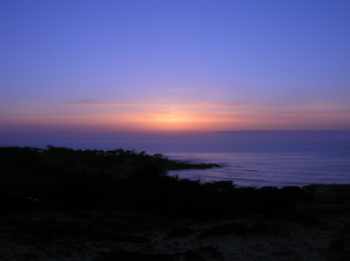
(185, 65)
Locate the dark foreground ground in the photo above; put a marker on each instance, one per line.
(60, 204)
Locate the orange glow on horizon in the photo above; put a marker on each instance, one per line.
(193, 117)
(180, 120)
(172, 121)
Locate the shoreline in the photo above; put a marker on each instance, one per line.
(61, 204)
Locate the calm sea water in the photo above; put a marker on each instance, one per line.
(250, 158)
(275, 159)
(268, 169)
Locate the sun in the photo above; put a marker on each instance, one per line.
(173, 120)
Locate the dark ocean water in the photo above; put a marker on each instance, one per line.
(273, 158)
(268, 169)
(250, 158)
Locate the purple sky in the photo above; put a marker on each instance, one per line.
(174, 65)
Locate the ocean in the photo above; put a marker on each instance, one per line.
(249, 158)
(268, 169)
(273, 159)
(259, 158)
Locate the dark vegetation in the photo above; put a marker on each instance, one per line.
(76, 197)
(66, 178)
(119, 179)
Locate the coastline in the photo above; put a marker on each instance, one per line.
(57, 208)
